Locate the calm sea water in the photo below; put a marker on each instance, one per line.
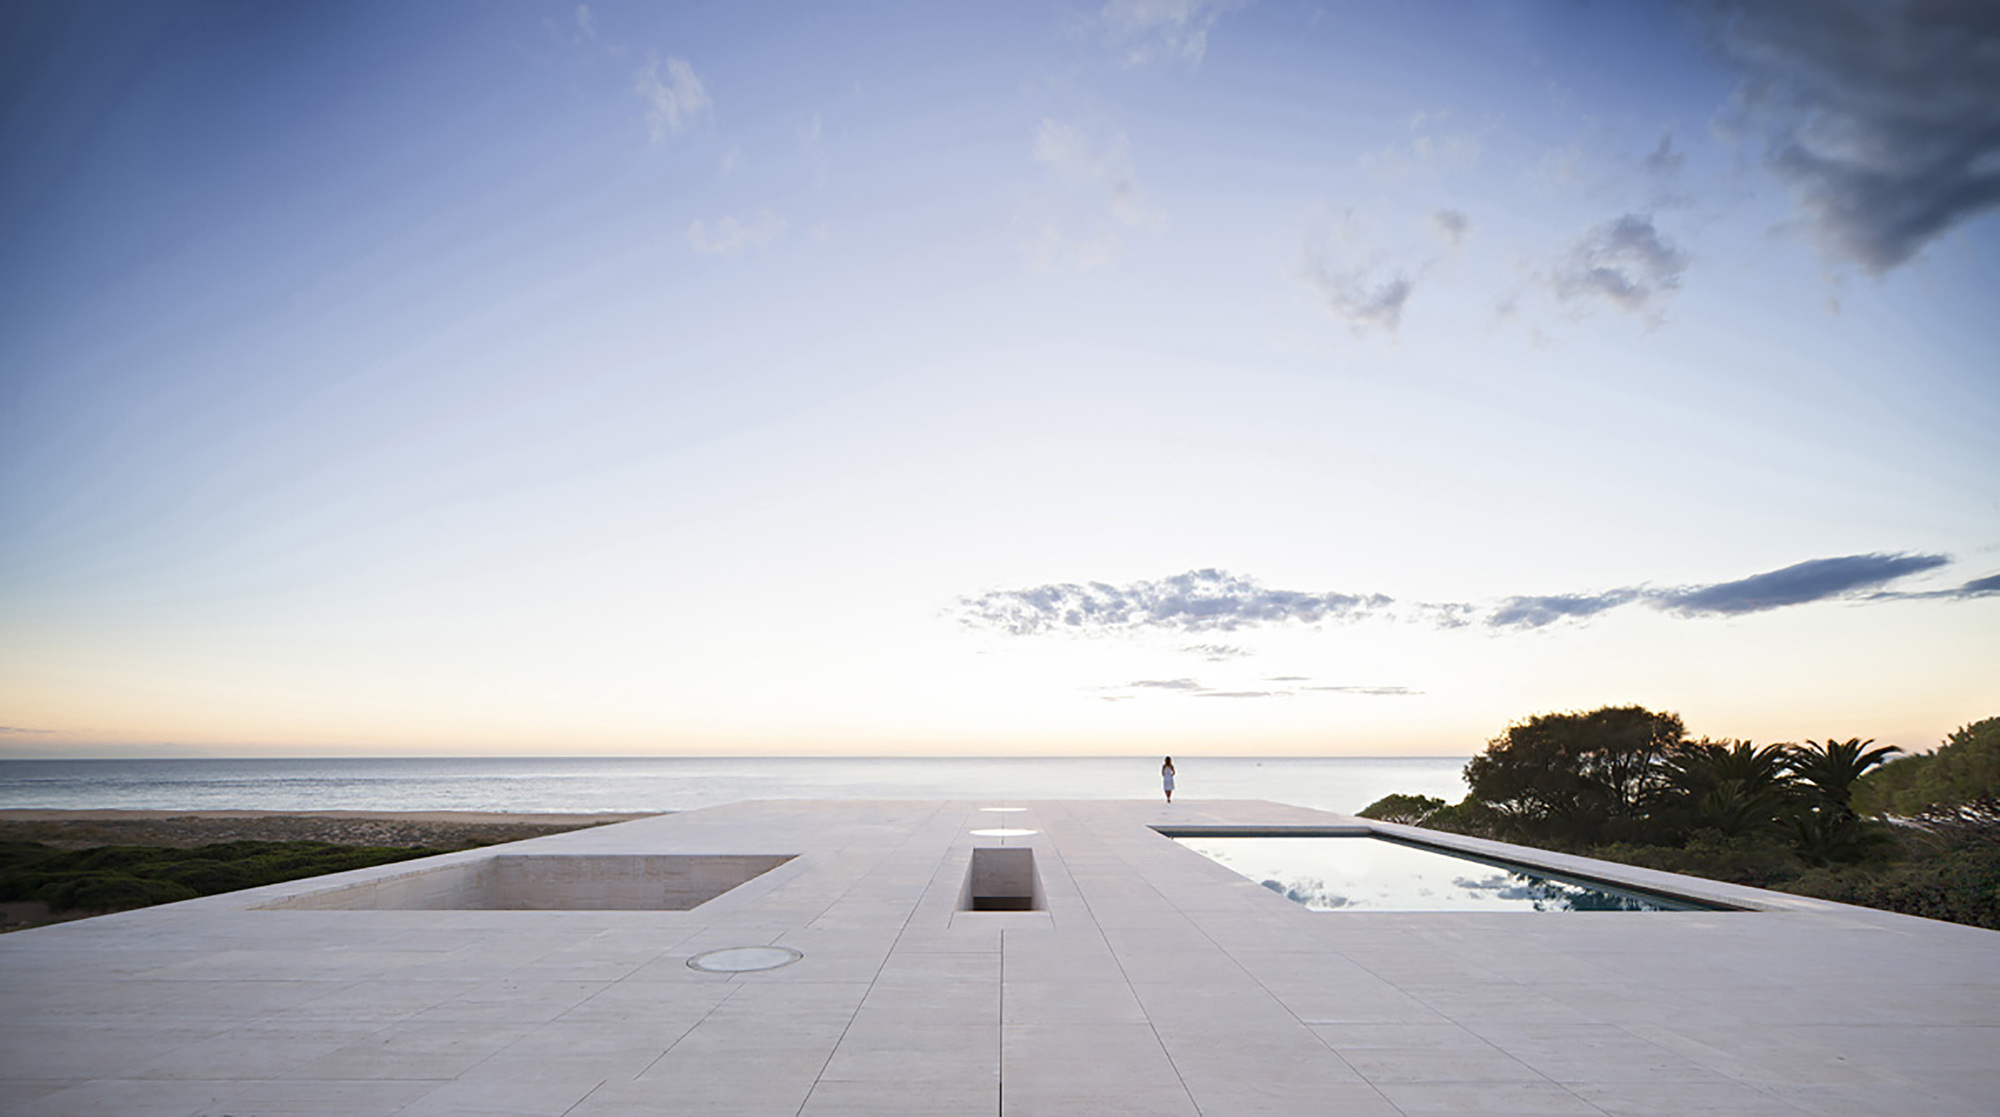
(582, 785)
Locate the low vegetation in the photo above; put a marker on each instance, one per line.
(1840, 820)
(41, 882)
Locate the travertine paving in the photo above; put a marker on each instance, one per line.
(1151, 981)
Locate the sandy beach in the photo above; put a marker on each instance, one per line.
(81, 829)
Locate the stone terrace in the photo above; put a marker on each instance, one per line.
(1151, 981)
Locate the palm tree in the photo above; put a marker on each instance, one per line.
(1732, 786)
(1833, 768)
(1829, 830)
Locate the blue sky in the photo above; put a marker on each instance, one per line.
(1162, 375)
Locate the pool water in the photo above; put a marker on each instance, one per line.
(1360, 873)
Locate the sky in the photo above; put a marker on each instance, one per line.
(1260, 378)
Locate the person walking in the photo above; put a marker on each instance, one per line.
(1167, 777)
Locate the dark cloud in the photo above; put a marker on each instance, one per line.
(1534, 612)
(1625, 262)
(1884, 114)
(1815, 580)
(1197, 601)
(1453, 224)
(1980, 587)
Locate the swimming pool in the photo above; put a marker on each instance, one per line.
(1372, 873)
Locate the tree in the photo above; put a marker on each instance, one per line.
(1410, 810)
(1833, 768)
(1964, 770)
(1731, 786)
(1576, 776)
(1828, 829)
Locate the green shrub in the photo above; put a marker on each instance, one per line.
(1410, 810)
(103, 891)
(1963, 769)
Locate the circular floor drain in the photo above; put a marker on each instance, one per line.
(744, 959)
(1003, 832)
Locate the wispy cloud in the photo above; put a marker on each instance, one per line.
(729, 236)
(586, 23)
(1534, 612)
(672, 104)
(1453, 224)
(1217, 653)
(1980, 587)
(1884, 116)
(1197, 601)
(1176, 30)
(1096, 188)
(1665, 162)
(1190, 688)
(1625, 262)
(1815, 580)
(1216, 600)
(1358, 284)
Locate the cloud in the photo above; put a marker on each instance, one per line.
(1197, 601)
(1665, 162)
(586, 24)
(1798, 584)
(1096, 186)
(1534, 612)
(1216, 653)
(1189, 688)
(1815, 580)
(1453, 224)
(1144, 30)
(1625, 262)
(19, 731)
(1216, 600)
(1360, 299)
(1357, 280)
(673, 104)
(729, 237)
(1883, 116)
(1980, 587)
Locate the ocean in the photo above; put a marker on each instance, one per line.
(584, 785)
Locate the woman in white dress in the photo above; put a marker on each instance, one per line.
(1167, 777)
